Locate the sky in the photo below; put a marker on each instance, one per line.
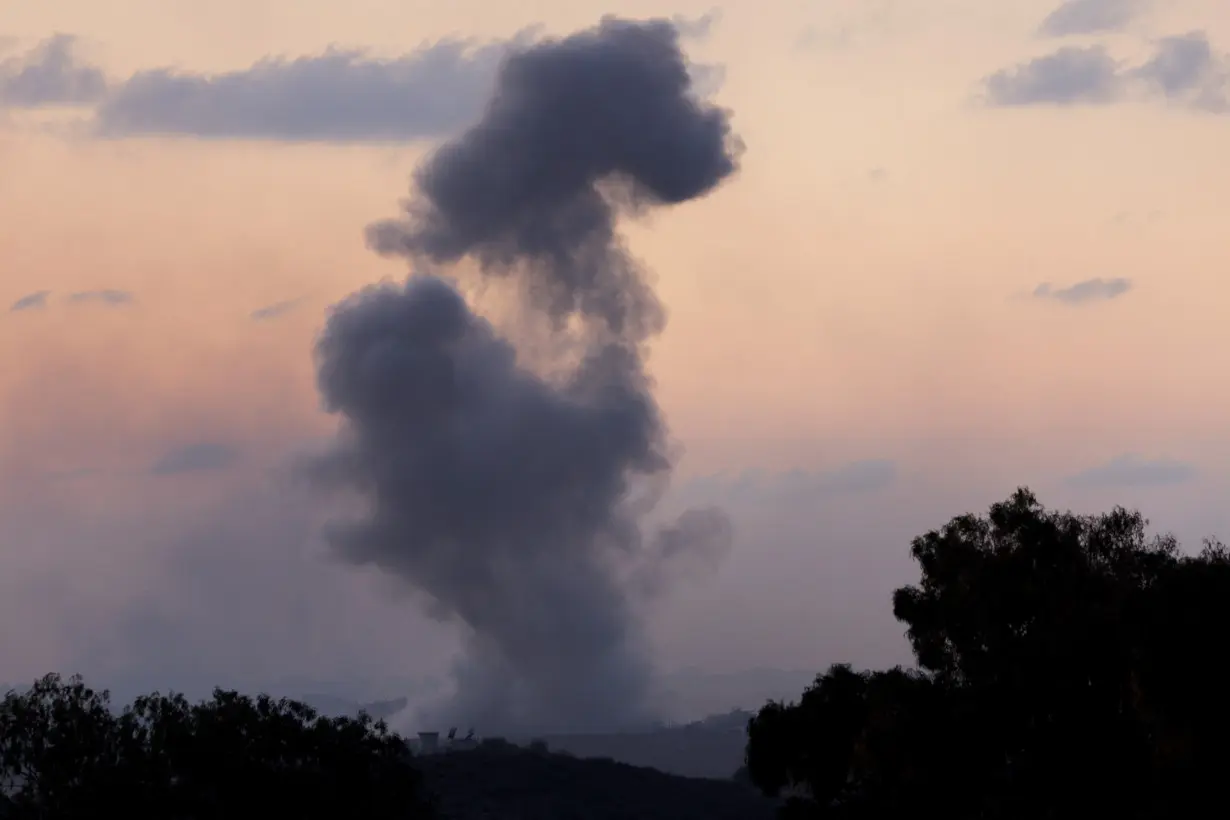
(969, 246)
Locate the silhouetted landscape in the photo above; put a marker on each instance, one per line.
(1066, 664)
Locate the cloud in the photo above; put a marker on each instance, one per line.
(1090, 17)
(31, 301)
(1089, 290)
(106, 296)
(795, 485)
(275, 310)
(1133, 471)
(1072, 75)
(338, 96)
(194, 458)
(1183, 68)
(49, 75)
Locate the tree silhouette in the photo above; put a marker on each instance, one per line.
(1068, 666)
(66, 753)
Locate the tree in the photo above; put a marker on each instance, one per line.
(1068, 666)
(66, 753)
(862, 744)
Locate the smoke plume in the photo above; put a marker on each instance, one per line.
(511, 499)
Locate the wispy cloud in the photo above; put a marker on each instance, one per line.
(1075, 17)
(1183, 69)
(1133, 471)
(106, 296)
(194, 458)
(275, 310)
(1081, 293)
(700, 27)
(49, 75)
(337, 96)
(859, 24)
(31, 301)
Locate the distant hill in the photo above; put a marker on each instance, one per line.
(690, 693)
(513, 784)
(712, 748)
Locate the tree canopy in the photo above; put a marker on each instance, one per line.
(66, 753)
(1068, 665)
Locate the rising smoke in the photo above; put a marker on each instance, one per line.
(507, 497)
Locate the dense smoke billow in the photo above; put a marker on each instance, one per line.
(506, 496)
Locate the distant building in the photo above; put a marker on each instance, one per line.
(431, 743)
(461, 744)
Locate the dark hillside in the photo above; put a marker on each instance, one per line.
(712, 747)
(513, 784)
(687, 751)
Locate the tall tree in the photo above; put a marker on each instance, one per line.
(1066, 667)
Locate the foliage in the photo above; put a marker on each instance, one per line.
(1068, 666)
(66, 753)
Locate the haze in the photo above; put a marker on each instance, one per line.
(941, 271)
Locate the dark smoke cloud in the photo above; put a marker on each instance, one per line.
(517, 503)
(522, 190)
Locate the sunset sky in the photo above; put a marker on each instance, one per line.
(970, 246)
